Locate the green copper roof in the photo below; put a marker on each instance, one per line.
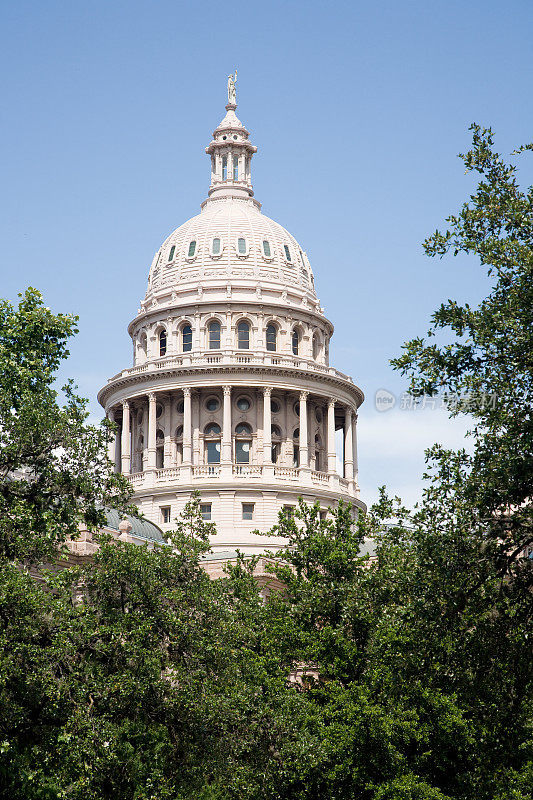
(140, 527)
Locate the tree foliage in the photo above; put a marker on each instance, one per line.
(138, 677)
(54, 471)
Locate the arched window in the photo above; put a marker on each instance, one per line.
(241, 246)
(295, 341)
(140, 452)
(212, 443)
(271, 336)
(143, 344)
(287, 252)
(179, 444)
(171, 253)
(215, 246)
(318, 445)
(266, 248)
(192, 249)
(160, 449)
(243, 335)
(214, 335)
(235, 168)
(243, 443)
(296, 448)
(162, 342)
(276, 444)
(316, 346)
(224, 168)
(186, 338)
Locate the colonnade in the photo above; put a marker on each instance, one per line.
(124, 461)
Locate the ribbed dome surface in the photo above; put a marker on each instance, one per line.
(270, 254)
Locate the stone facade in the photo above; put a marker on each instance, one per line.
(231, 391)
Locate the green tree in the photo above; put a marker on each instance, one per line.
(54, 471)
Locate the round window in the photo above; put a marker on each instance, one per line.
(180, 407)
(243, 404)
(212, 404)
(158, 410)
(296, 408)
(274, 406)
(296, 434)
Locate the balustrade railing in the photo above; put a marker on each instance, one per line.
(247, 469)
(225, 357)
(184, 473)
(205, 470)
(286, 472)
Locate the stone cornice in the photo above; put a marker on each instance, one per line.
(250, 371)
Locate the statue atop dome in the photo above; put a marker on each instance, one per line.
(232, 91)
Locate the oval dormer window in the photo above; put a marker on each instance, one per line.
(241, 246)
(192, 249)
(266, 248)
(215, 247)
(171, 253)
(287, 252)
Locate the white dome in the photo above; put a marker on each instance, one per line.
(271, 254)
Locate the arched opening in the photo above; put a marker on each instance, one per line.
(213, 330)
(271, 337)
(296, 448)
(316, 346)
(243, 443)
(160, 449)
(276, 443)
(186, 338)
(295, 341)
(142, 347)
(224, 168)
(212, 436)
(215, 246)
(139, 454)
(162, 342)
(179, 444)
(318, 458)
(243, 335)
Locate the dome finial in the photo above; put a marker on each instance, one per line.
(232, 90)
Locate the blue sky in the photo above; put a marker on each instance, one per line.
(358, 110)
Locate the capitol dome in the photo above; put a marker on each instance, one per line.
(231, 239)
(231, 392)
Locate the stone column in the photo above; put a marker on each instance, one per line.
(167, 415)
(267, 426)
(112, 443)
(355, 464)
(348, 444)
(332, 465)
(125, 444)
(187, 419)
(151, 430)
(304, 444)
(195, 419)
(226, 455)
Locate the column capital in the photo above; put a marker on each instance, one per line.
(331, 401)
(186, 391)
(267, 391)
(304, 395)
(227, 390)
(151, 397)
(125, 404)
